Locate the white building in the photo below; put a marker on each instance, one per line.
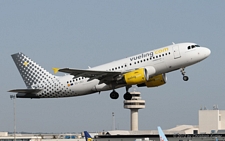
(211, 120)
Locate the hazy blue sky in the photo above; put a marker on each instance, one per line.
(78, 34)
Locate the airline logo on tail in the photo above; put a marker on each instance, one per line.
(161, 135)
(25, 63)
(87, 136)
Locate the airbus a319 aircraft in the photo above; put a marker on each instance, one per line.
(147, 69)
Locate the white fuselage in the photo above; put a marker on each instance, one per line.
(164, 60)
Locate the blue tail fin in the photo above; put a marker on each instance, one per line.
(87, 136)
(161, 135)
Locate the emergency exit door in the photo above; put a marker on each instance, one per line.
(176, 52)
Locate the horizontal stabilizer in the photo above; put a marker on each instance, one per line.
(29, 91)
(26, 93)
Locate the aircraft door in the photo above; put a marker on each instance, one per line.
(176, 52)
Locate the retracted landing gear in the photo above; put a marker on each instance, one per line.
(114, 95)
(127, 95)
(185, 78)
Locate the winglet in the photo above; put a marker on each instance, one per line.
(87, 136)
(161, 134)
(55, 70)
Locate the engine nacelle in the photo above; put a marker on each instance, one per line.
(156, 81)
(135, 77)
(139, 76)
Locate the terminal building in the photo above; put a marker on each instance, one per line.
(211, 121)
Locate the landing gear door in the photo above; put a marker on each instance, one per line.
(176, 52)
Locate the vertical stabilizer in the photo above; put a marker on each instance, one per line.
(87, 136)
(33, 74)
(161, 135)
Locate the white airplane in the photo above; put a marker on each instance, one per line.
(146, 69)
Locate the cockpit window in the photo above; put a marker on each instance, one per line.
(193, 46)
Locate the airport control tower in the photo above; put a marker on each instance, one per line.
(134, 105)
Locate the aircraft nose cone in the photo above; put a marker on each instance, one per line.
(207, 52)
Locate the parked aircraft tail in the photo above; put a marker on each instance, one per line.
(87, 136)
(161, 134)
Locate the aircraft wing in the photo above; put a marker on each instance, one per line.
(103, 76)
